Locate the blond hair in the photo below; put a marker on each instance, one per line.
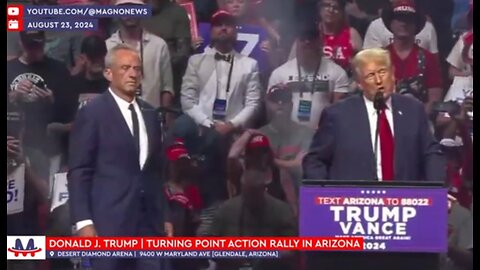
(368, 55)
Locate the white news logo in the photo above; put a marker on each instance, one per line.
(13, 11)
(25, 247)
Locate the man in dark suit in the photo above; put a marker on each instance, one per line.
(343, 147)
(113, 181)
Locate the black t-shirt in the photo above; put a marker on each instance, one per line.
(84, 86)
(39, 113)
(85, 89)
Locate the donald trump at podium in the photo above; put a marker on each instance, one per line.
(344, 148)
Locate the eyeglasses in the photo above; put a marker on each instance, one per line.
(334, 8)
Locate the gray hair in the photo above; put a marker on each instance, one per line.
(368, 55)
(110, 57)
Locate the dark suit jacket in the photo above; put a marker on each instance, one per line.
(105, 181)
(342, 147)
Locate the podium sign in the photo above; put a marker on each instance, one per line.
(391, 219)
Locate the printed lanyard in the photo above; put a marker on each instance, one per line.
(229, 78)
(306, 80)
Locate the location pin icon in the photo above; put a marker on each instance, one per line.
(52, 253)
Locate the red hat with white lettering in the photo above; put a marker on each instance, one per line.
(404, 10)
(258, 141)
(177, 151)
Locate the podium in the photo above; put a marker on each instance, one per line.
(403, 224)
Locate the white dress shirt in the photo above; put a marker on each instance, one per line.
(372, 118)
(222, 69)
(127, 116)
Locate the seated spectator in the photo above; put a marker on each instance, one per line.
(181, 192)
(315, 80)
(252, 150)
(458, 67)
(340, 41)
(157, 84)
(183, 199)
(41, 86)
(457, 140)
(289, 140)
(256, 37)
(255, 213)
(379, 35)
(417, 71)
(220, 94)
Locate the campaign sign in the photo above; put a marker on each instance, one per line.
(249, 38)
(391, 219)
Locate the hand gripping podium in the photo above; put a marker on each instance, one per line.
(404, 224)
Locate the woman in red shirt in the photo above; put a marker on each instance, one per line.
(340, 41)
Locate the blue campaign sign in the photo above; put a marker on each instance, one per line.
(249, 38)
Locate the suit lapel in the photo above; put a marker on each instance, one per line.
(400, 123)
(363, 135)
(206, 69)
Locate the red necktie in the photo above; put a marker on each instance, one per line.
(387, 147)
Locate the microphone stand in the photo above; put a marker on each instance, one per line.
(162, 112)
(378, 104)
(375, 153)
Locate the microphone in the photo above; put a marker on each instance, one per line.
(378, 101)
(378, 104)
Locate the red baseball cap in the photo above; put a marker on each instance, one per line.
(223, 16)
(177, 151)
(258, 141)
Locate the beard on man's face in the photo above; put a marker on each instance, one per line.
(223, 36)
(130, 22)
(223, 39)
